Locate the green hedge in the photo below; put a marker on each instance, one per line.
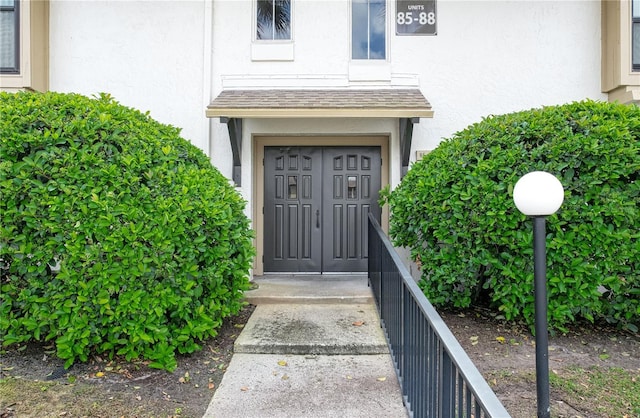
(454, 209)
(116, 235)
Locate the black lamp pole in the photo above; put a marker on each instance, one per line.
(539, 194)
(541, 326)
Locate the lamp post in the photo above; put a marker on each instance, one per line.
(539, 194)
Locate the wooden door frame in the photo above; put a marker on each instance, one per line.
(261, 141)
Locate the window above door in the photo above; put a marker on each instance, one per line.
(369, 56)
(273, 31)
(273, 20)
(368, 30)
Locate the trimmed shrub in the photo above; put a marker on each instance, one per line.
(454, 209)
(116, 235)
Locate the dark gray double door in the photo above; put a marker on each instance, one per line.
(317, 200)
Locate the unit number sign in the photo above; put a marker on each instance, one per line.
(416, 17)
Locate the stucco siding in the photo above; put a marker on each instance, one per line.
(147, 54)
(173, 58)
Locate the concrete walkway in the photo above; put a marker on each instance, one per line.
(312, 348)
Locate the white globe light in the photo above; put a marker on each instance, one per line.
(538, 194)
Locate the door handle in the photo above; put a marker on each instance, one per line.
(318, 218)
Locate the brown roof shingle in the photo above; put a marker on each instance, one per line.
(320, 103)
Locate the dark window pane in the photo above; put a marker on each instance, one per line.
(359, 30)
(263, 19)
(282, 19)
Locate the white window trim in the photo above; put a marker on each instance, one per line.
(618, 78)
(34, 49)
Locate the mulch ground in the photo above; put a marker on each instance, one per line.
(32, 382)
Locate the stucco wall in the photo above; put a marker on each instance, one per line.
(147, 54)
(173, 57)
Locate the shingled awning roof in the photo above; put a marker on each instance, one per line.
(340, 103)
(232, 106)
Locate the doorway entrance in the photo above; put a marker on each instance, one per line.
(316, 203)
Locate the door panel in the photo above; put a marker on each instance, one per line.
(316, 205)
(292, 198)
(355, 174)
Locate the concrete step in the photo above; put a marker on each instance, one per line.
(308, 289)
(313, 329)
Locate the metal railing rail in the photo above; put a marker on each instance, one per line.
(436, 375)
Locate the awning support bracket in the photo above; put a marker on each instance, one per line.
(234, 126)
(406, 135)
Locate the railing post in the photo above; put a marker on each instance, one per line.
(444, 393)
(405, 345)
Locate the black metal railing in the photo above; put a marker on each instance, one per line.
(436, 375)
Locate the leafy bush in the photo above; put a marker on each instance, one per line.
(116, 235)
(454, 209)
